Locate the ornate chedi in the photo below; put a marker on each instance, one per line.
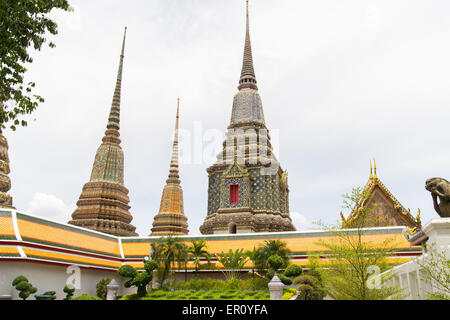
(103, 204)
(5, 182)
(170, 219)
(384, 209)
(247, 189)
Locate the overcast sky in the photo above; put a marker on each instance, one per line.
(341, 82)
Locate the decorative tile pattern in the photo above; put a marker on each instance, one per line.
(103, 204)
(263, 193)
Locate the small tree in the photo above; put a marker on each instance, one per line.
(24, 26)
(167, 251)
(293, 270)
(275, 263)
(271, 247)
(23, 286)
(69, 291)
(309, 288)
(140, 280)
(232, 262)
(198, 251)
(355, 258)
(252, 255)
(101, 288)
(435, 268)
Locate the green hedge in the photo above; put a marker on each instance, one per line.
(227, 294)
(212, 284)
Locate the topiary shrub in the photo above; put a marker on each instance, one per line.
(309, 288)
(86, 296)
(317, 275)
(270, 273)
(140, 280)
(293, 270)
(289, 293)
(48, 295)
(286, 280)
(275, 262)
(101, 288)
(24, 287)
(68, 290)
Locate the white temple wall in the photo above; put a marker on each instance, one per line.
(47, 277)
(410, 276)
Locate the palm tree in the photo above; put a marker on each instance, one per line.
(167, 251)
(183, 258)
(232, 262)
(198, 251)
(252, 254)
(271, 247)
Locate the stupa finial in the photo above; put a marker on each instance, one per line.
(114, 115)
(248, 78)
(173, 171)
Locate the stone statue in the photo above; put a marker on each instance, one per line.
(440, 187)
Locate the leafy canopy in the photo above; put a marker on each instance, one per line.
(23, 25)
(354, 258)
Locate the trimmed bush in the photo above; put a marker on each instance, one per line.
(140, 280)
(23, 286)
(289, 293)
(293, 270)
(270, 273)
(101, 288)
(275, 262)
(68, 290)
(316, 274)
(309, 288)
(286, 280)
(85, 296)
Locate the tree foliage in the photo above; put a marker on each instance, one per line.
(69, 291)
(354, 258)
(140, 280)
(232, 262)
(269, 248)
(23, 25)
(435, 267)
(167, 252)
(198, 251)
(23, 286)
(293, 270)
(100, 288)
(309, 288)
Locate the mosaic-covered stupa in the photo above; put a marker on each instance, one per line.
(103, 204)
(170, 219)
(247, 189)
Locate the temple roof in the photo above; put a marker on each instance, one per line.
(388, 210)
(28, 238)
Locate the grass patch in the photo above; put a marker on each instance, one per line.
(202, 295)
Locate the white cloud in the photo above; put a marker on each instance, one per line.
(300, 221)
(50, 207)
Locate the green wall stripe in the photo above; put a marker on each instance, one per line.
(4, 237)
(5, 213)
